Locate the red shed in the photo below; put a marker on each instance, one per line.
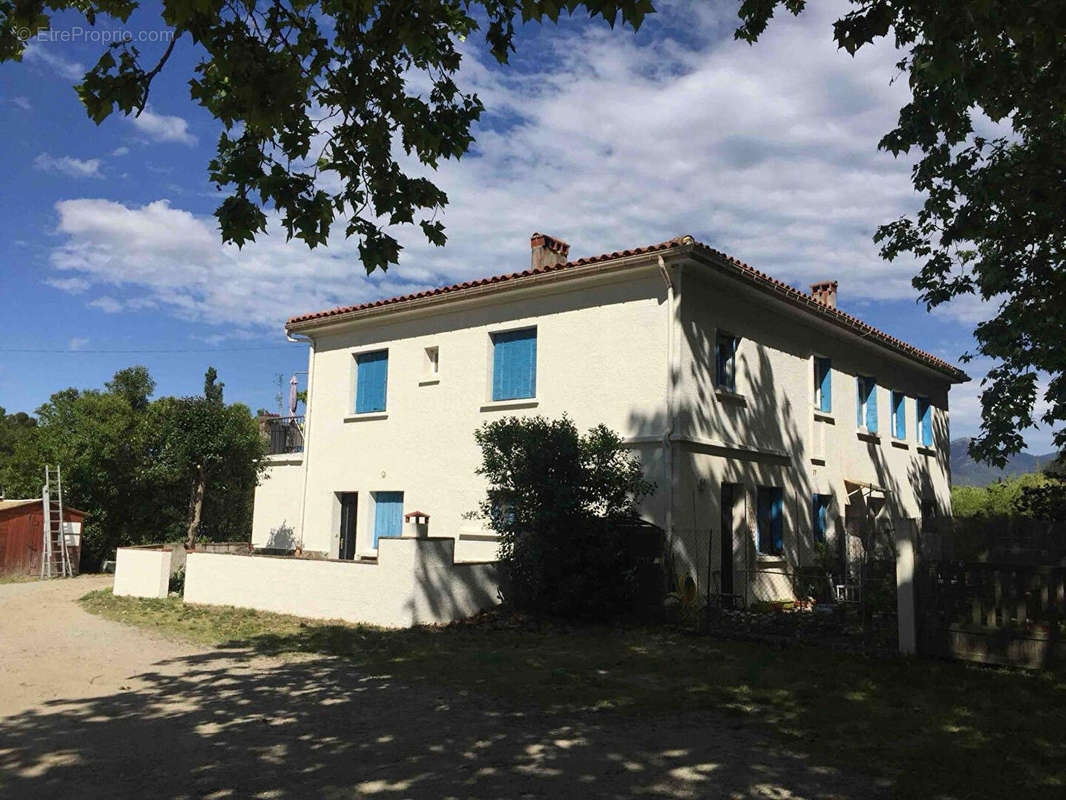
(22, 536)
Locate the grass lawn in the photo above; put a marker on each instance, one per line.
(934, 729)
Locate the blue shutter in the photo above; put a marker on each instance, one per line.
(825, 383)
(762, 518)
(777, 520)
(514, 364)
(871, 405)
(927, 422)
(821, 516)
(726, 362)
(899, 415)
(388, 514)
(370, 381)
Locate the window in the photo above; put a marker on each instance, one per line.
(371, 378)
(725, 350)
(432, 361)
(514, 364)
(388, 515)
(929, 515)
(823, 384)
(821, 516)
(769, 521)
(899, 416)
(923, 421)
(866, 407)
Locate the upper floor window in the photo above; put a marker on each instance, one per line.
(823, 384)
(866, 405)
(725, 349)
(432, 361)
(770, 520)
(923, 421)
(899, 416)
(371, 380)
(514, 364)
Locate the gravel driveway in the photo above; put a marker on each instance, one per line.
(92, 708)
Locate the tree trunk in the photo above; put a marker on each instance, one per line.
(196, 505)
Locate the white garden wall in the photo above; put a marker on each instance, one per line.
(145, 571)
(415, 581)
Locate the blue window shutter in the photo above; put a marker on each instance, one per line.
(871, 405)
(388, 514)
(927, 423)
(820, 506)
(860, 396)
(825, 383)
(514, 364)
(899, 415)
(777, 520)
(371, 381)
(726, 362)
(763, 519)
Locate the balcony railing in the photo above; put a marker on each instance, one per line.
(285, 434)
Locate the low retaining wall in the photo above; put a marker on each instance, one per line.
(415, 581)
(145, 571)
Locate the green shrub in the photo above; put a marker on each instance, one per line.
(559, 501)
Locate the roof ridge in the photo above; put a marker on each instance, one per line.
(795, 295)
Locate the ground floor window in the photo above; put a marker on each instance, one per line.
(821, 516)
(770, 520)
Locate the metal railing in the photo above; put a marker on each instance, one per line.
(285, 434)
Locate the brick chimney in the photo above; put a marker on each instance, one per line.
(825, 292)
(547, 250)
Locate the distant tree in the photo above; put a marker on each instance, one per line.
(991, 222)
(205, 442)
(14, 428)
(555, 497)
(362, 95)
(1000, 499)
(119, 455)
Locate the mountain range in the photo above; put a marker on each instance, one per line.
(967, 472)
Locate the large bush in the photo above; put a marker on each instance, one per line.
(558, 500)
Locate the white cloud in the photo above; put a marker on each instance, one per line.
(69, 70)
(766, 152)
(66, 165)
(162, 128)
(78, 342)
(71, 285)
(120, 151)
(107, 304)
(21, 102)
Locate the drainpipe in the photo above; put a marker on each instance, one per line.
(300, 338)
(668, 432)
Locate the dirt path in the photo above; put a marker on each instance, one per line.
(92, 708)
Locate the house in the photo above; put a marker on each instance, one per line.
(771, 421)
(22, 536)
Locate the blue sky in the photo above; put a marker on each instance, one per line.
(605, 139)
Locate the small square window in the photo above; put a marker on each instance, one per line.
(432, 364)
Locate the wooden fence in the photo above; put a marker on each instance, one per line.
(995, 613)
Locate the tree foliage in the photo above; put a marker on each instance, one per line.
(556, 498)
(330, 110)
(125, 461)
(991, 223)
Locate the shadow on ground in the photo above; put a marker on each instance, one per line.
(231, 724)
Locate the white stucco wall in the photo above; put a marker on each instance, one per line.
(276, 514)
(146, 571)
(769, 433)
(599, 359)
(413, 582)
(603, 356)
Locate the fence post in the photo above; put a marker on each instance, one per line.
(906, 575)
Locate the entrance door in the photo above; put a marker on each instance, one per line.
(729, 495)
(349, 504)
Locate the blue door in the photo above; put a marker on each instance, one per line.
(388, 514)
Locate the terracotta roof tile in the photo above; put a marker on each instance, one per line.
(744, 271)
